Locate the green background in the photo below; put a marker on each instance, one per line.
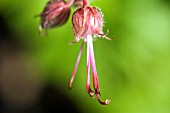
(133, 68)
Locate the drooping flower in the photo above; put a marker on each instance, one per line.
(86, 23)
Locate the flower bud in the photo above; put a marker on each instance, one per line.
(55, 14)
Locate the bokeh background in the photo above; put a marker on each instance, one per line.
(133, 68)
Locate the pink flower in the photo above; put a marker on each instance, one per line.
(86, 23)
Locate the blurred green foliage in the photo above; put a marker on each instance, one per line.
(133, 68)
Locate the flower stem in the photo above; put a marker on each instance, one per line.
(85, 3)
(69, 3)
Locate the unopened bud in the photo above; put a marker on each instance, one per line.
(54, 14)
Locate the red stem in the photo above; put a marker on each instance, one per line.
(69, 3)
(85, 3)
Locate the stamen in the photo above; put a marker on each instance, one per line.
(89, 91)
(94, 71)
(77, 63)
(106, 102)
(92, 61)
